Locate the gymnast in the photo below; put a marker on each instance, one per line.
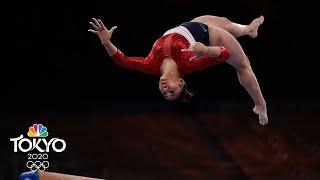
(189, 47)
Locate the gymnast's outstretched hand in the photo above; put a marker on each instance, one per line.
(100, 30)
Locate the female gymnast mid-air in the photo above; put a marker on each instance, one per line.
(189, 47)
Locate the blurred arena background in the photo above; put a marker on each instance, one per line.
(115, 122)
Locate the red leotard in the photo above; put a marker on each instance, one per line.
(169, 46)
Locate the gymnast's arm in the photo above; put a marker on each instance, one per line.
(218, 52)
(135, 63)
(206, 56)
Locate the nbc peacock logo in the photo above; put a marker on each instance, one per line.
(38, 130)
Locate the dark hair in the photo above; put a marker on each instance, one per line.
(186, 95)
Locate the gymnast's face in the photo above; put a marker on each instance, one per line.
(171, 89)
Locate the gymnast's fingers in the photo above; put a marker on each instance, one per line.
(94, 26)
(93, 31)
(187, 50)
(113, 28)
(96, 22)
(101, 24)
(192, 58)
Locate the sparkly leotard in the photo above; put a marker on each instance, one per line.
(169, 45)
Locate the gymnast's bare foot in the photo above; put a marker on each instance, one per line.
(262, 113)
(254, 26)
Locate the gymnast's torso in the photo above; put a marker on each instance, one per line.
(170, 45)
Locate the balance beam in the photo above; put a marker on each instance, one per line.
(34, 175)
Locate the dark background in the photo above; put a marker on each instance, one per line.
(54, 60)
(55, 72)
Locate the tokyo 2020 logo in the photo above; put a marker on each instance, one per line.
(37, 147)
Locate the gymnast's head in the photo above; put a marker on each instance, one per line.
(171, 84)
(174, 89)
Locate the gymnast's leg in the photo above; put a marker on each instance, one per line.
(235, 29)
(241, 63)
